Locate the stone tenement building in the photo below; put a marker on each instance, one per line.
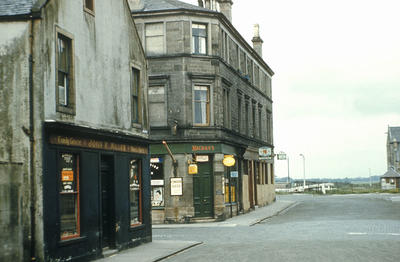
(210, 100)
(74, 165)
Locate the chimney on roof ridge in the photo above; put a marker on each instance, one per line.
(257, 41)
(201, 3)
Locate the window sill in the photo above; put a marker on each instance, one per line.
(72, 241)
(137, 227)
(158, 208)
(66, 110)
(90, 12)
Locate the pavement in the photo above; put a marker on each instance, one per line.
(158, 250)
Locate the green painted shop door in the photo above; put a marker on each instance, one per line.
(203, 190)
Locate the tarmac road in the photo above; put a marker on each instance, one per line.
(318, 228)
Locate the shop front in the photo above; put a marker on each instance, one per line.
(209, 188)
(96, 192)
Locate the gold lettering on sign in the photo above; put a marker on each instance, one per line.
(202, 148)
(96, 144)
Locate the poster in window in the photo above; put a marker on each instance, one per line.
(157, 196)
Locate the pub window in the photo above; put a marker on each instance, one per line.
(135, 194)
(201, 104)
(64, 77)
(135, 91)
(89, 6)
(199, 39)
(154, 39)
(157, 181)
(69, 196)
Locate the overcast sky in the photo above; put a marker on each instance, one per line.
(336, 86)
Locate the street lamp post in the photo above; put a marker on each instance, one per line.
(304, 171)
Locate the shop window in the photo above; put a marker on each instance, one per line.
(69, 196)
(135, 194)
(155, 39)
(135, 91)
(230, 183)
(201, 104)
(89, 6)
(199, 39)
(64, 77)
(157, 181)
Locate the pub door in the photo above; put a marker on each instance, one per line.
(203, 190)
(107, 201)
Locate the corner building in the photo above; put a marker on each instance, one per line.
(209, 98)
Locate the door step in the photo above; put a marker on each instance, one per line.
(107, 252)
(202, 219)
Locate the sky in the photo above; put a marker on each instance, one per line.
(336, 87)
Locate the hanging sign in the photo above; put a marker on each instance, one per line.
(265, 151)
(192, 169)
(229, 160)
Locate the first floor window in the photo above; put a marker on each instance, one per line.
(135, 195)
(69, 196)
(201, 103)
(135, 91)
(64, 58)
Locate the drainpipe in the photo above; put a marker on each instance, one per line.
(32, 148)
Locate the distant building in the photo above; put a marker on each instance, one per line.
(210, 98)
(391, 179)
(74, 165)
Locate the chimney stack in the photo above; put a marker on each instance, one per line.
(257, 41)
(201, 3)
(226, 8)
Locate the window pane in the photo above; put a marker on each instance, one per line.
(69, 196)
(199, 38)
(62, 89)
(63, 54)
(68, 215)
(201, 104)
(134, 192)
(89, 4)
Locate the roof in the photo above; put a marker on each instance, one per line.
(391, 173)
(394, 133)
(16, 7)
(161, 5)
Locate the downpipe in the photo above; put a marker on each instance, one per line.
(32, 149)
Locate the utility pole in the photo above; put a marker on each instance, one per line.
(304, 171)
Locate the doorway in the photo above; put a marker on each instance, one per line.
(107, 201)
(203, 190)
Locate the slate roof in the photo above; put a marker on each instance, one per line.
(159, 5)
(394, 133)
(16, 7)
(391, 173)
